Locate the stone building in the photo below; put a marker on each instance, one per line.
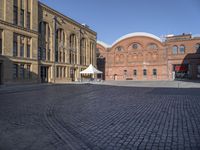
(39, 44)
(144, 56)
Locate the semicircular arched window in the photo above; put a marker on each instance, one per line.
(119, 49)
(182, 49)
(175, 49)
(136, 46)
(152, 46)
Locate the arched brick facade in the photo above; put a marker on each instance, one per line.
(142, 56)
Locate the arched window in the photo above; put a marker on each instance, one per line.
(45, 39)
(197, 47)
(152, 46)
(92, 52)
(182, 49)
(175, 50)
(119, 49)
(72, 44)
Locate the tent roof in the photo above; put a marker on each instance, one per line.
(90, 70)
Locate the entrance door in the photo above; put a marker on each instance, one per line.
(44, 74)
(1, 73)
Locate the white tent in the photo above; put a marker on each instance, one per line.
(91, 70)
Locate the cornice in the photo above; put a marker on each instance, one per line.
(18, 27)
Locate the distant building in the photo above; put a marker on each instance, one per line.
(39, 44)
(144, 56)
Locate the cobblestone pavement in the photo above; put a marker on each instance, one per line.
(99, 117)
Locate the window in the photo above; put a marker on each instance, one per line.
(44, 54)
(152, 46)
(182, 49)
(135, 46)
(39, 53)
(174, 50)
(1, 42)
(135, 72)
(28, 71)
(28, 21)
(57, 72)
(28, 48)
(64, 72)
(15, 2)
(119, 49)
(125, 72)
(22, 47)
(15, 71)
(197, 46)
(144, 72)
(15, 15)
(22, 17)
(49, 52)
(22, 71)
(154, 72)
(15, 45)
(63, 56)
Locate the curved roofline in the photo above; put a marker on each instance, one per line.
(134, 34)
(103, 44)
(137, 34)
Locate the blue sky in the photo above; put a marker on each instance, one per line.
(112, 19)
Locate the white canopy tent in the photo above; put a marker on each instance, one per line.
(91, 70)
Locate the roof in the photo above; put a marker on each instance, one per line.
(90, 70)
(130, 35)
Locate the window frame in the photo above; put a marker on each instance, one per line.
(135, 72)
(173, 50)
(182, 47)
(22, 17)
(15, 44)
(154, 72)
(144, 72)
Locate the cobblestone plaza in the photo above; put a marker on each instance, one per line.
(99, 117)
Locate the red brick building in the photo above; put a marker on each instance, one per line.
(144, 56)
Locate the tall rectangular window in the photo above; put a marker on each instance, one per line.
(1, 42)
(15, 71)
(22, 71)
(28, 54)
(154, 72)
(28, 71)
(22, 47)
(44, 54)
(57, 72)
(134, 72)
(28, 50)
(28, 21)
(39, 53)
(144, 72)
(49, 54)
(15, 15)
(22, 17)
(15, 45)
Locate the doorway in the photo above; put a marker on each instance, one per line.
(44, 74)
